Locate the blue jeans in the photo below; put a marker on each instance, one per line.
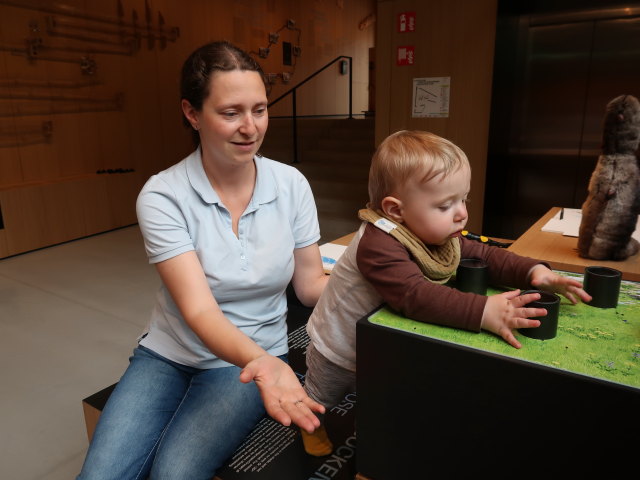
(171, 421)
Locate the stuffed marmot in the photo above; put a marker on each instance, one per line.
(610, 213)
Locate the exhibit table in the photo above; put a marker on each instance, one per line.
(437, 401)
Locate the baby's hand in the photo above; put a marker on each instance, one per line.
(504, 312)
(542, 278)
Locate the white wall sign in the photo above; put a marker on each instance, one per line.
(431, 97)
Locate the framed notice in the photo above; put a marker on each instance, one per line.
(431, 97)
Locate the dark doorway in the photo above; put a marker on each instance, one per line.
(557, 64)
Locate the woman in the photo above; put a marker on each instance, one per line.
(227, 230)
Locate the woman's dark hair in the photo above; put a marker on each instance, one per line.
(197, 70)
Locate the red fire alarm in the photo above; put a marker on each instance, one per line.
(406, 55)
(406, 22)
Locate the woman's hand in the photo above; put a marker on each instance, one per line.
(284, 398)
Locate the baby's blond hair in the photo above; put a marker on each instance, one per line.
(408, 154)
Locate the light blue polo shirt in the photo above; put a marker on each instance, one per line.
(178, 211)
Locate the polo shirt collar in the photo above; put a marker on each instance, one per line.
(265, 191)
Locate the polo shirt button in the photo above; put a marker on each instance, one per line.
(241, 257)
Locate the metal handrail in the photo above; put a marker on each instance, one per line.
(292, 91)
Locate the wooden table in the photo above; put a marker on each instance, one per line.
(561, 252)
(345, 240)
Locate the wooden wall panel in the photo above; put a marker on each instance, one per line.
(453, 38)
(90, 142)
(51, 213)
(96, 213)
(4, 251)
(385, 92)
(125, 113)
(122, 192)
(62, 217)
(66, 147)
(24, 219)
(10, 168)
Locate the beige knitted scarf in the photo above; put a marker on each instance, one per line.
(437, 262)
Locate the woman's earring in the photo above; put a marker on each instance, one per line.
(196, 128)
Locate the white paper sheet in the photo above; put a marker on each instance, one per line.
(569, 224)
(330, 253)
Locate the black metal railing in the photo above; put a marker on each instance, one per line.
(293, 93)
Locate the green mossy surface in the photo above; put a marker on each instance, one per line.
(601, 343)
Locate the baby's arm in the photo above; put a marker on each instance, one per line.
(395, 277)
(542, 278)
(505, 312)
(507, 268)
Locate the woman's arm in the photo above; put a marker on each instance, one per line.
(309, 278)
(279, 387)
(184, 278)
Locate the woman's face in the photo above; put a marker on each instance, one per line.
(233, 119)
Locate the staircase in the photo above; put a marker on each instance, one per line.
(334, 155)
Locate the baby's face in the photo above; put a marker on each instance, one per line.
(436, 210)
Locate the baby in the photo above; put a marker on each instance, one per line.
(408, 246)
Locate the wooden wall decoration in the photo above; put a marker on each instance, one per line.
(66, 170)
(89, 97)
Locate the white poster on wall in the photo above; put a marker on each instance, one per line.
(431, 97)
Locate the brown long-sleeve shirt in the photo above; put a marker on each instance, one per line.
(376, 268)
(388, 266)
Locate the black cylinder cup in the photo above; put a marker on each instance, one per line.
(603, 284)
(472, 276)
(549, 323)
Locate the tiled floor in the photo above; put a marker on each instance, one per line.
(69, 318)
